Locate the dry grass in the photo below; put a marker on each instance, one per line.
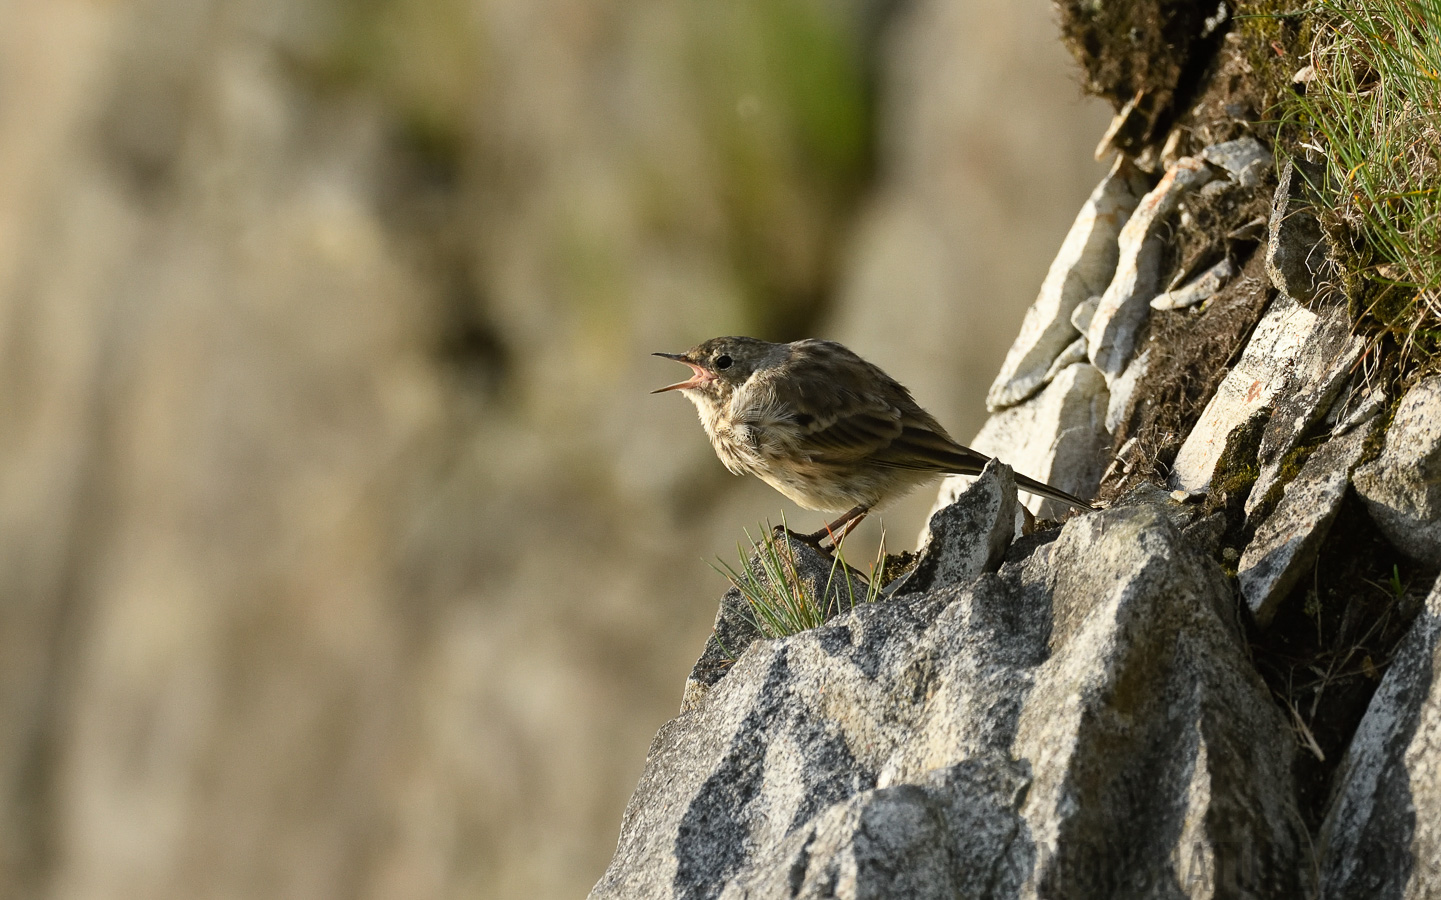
(781, 601)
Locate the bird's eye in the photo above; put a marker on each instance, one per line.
(722, 362)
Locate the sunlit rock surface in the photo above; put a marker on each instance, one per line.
(1082, 720)
(1402, 487)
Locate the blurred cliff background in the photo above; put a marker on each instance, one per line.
(342, 551)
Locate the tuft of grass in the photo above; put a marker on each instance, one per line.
(1394, 588)
(781, 600)
(1372, 111)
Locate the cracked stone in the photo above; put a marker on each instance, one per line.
(1245, 159)
(1202, 287)
(1084, 311)
(1402, 486)
(982, 736)
(1285, 545)
(1315, 380)
(1255, 380)
(968, 536)
(1111, 337)
(1123, 391)
(1298, 260)
(1082, 269)
(1057, 436)
(1381, 837)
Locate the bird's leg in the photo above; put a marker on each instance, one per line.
(838, 529)
(850, 526)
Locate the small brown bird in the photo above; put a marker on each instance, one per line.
(822, 426)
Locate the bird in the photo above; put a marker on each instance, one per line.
(823, 426)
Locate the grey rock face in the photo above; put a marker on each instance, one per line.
(913, 840)
(1079, 723)
(1402, 487)
(1262, 371)
(1202, 287)
(969, 536)
(1111, 333)
(1082, 269)
(1298, 259)
(1075, 352)
(1123, 390)
(1084, 311)
(1382, 835)
(1057, 436)
(1311, 385)
(1285, 545)
(1244, 159)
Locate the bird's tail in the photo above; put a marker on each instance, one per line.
(1050, 493)
(936, 451)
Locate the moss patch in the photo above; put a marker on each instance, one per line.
(1232, 479)
(1290, 466)
(1237, 469)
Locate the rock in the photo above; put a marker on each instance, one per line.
(1118, 555)
(1285, 545)
(1081, 316)
(1402, 487)
(1123, 389)
(736, 627)
(1258, 375)
(1057, 436)
(905, 841)
(1211, 190)
(1356, 407)
(1245, 159)
(1205, 532)
(1381, 836)
(1111, 337)
(1081, 269)
(1075, 352)
(970, 535)
(1127, 129)
(1314, 381)
(1298, 260)
(1202, 287)
(1171, 149)
(1081, 722)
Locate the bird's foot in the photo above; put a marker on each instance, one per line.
(810, 540)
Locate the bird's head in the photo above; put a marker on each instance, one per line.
(720, 366)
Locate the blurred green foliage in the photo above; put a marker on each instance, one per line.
(789, 108)
(777, 90)
(422, 58)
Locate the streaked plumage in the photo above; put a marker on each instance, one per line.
(822, 426)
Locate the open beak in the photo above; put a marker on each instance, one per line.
(702, 375)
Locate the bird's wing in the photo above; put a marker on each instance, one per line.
(847, 434)
(923, 444)
(885, 435)
(839, 415)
